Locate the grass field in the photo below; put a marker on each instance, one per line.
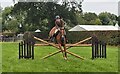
(0, 58)
(11, 63)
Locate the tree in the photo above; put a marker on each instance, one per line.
(12, 25)
(73, 5)
(104, 18)
(79, 18)
(98, 22)
(37, 12)
(0, 21)
(90, 18)
(6, 17)
(108, 18)
(119, 20)
(40, 15)
(113, 18)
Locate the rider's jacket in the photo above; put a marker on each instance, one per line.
(59, 23)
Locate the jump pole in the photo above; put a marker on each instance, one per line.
(46, 42)
(60, 50)
(75, 55)
(57, 48)
(67, 45)
(83, 41)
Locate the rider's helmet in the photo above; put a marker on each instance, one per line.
(57, 20)
(57, 17)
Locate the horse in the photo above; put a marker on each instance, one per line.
(60, 38)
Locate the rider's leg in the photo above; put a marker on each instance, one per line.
(51, 33)
(52, 37)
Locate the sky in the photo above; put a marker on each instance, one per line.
(96, 6)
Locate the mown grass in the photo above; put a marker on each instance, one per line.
(11, 63)
(0, 58)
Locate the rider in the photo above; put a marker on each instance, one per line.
(58, 23)
(58, 26)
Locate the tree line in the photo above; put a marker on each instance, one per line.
(41, 15)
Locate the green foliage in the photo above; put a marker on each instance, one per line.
(36, 13)
(79, 18)
(41, 15)
(119, 20)
(98, 22)
(0, 21)
(110, 37)
(9, 34)
(110, 23)
(90, 16)
(5, 17)
(114, 39)
(0, 14)
(104, 18)
(108, 18)
(12, 25)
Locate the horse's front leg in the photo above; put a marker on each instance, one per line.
(63, 50)
(59, 43)
(65, 53)
(63, 41)
(60, 47)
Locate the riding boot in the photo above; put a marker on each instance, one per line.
(52, 38)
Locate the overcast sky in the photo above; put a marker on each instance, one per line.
(99, 7)
(96, 6)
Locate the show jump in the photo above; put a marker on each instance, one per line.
(26, 48)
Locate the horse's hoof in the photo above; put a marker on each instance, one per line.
(65, 58)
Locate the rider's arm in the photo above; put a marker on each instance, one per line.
(56, 26)
(63, 24)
